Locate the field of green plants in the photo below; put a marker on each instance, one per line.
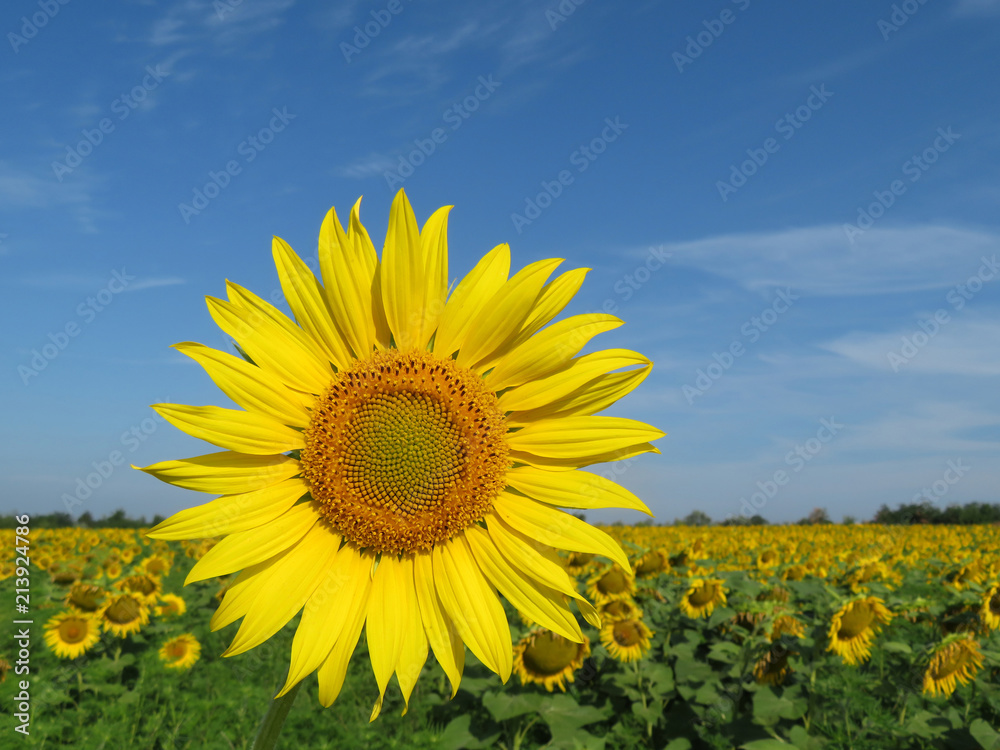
(762, 638)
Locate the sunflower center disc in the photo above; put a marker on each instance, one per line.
(550, 654)
(405, 450)
(72, 631)
(855, 622)
(703, 595)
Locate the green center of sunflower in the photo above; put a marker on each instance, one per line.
(405, 450)
(72, 631)
(549, 654)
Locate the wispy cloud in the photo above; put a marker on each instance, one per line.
(369, 166)
(820, 261)
(977, 8)
(22, 189)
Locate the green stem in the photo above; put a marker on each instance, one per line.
(270, 727)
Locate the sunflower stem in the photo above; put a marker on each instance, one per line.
(270, 727)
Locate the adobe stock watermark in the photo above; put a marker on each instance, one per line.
(751, 330)
(699, 42)
(87, 311)
(958, 296)
(786, 126)
(626, 287)
(105, 467)
(454, 116)
(30, 26)
(560, 13)
(363, 35)
(914, 168)
(122, 106)
(901, 13)
(796, 459)
(954, 472)
(581, 158)
(249, 149)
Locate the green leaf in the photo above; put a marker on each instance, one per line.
(691, 670)
(719, 616)
(565, 716)
(456, 736)
(768, 744)
(724, 651)
(802, 740)
(508, 705)
(678, 744)
(985, 735)
(927, 725)
(770, 708)
(896, 647)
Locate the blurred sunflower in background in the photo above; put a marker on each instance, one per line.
(702, 597)
(401, 454)
(990, 611)
(548, 659)
(626, 640)
(124, 614)
(180, 652)
(855, 625)
(72, 633)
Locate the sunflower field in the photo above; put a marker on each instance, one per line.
(756, 637)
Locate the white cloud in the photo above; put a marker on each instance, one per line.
(369, 166)
(977, 8)
(820, 261)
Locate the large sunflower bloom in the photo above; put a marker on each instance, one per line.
(854, 626)
(401, 452)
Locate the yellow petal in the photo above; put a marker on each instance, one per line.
(341, 594)
(580, 436)
(572, 489)
(548, 351)
(582, 370)
(557, 527)
(252, 387)
(500, 319)
(412, 655)
(472, 605)
(554, 297)
(272, 346)
(236, 430)
(331, 673)
(296, 575)
(544, 606)
(471, 296)
(308, 302)
(595, 396)
(388, 609)
(245, 548)
(232, 513)
(348, 284)
(225, 473)
(364, 248)
(241, 594)
(565, 464)
(443, 636)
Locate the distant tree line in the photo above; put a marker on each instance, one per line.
(117, 520)
(925, 512)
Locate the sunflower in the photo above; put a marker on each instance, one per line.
(787, 625)
(954, 660)
(145, 587)
(618, 609)
(772, 668)
(155, 565)
(85, 597)
(171, 605)
(400, 453)
(626, 640)
(180, 652)
(652, 564)
(702, 597)
(548, 659)
(577, 562)
(855, 625)
(70, 634)
(124, 614)
(990, 611)
(611, 582)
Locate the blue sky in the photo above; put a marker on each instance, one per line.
(794, 209)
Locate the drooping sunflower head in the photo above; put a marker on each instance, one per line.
(853, 627)
(125, 614)
(142, 586)
(70, 634)
(652, 564)
(401, 453)
(85, 597)
(787, 625)
(772, 668)
(626, 640)
(180, 652)
(956, 660)
(547, 659)
(702, 597)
